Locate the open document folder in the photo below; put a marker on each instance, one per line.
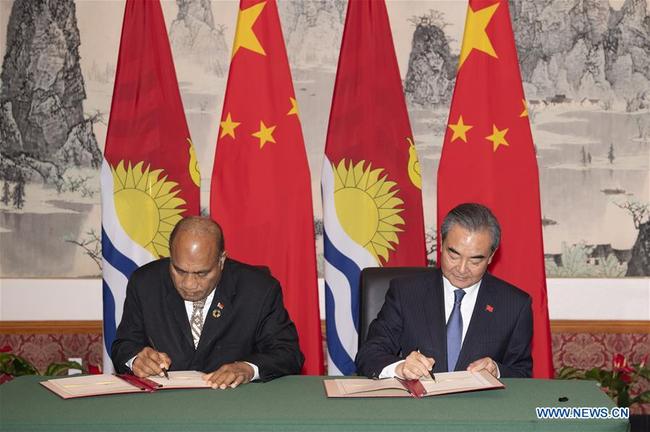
(445, 383)
(97, 385)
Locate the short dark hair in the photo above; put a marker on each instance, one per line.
(200, 224)
(473, 217)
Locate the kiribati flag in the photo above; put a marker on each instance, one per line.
(150, 177)
(372, 202)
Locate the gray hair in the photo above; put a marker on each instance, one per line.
(201, 225)
(473, 217)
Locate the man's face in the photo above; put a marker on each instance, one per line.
(195, 265)
(465, 256)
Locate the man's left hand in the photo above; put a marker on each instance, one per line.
(230, 375)
(485, 363)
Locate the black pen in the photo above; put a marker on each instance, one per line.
(154, 347)
(433, 377)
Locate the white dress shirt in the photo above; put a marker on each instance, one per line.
(189, 307)
(466, 311)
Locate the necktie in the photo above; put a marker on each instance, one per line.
(454, 331)
(197, 320)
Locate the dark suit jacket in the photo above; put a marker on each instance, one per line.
(413, 317)
(253, 325)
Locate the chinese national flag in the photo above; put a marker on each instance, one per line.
(372, 200)
(261, 192)
(488, 157)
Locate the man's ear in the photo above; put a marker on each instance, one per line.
(222, 260)
(491, 256)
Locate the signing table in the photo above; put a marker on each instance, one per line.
(298, 403)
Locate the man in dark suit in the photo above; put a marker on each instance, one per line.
(199, 310)
(463, 318)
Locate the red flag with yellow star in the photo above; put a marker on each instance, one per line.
(488, 157)
(261, 191)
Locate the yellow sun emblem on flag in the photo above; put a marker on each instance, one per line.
(413, 167)
(366, 206)
(146, 206)
(195, 172)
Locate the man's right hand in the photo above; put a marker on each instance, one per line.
(150, 362)
(415, 366)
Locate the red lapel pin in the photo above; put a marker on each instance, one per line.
(489, 308)
(217, 312)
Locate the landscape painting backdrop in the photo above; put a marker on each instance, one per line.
(585, 66)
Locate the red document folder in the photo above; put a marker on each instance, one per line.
(446, 383)
(413, 386)
(98, 385)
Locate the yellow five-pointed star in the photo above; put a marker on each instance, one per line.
(245, 36)
(228, 127)
(524, 113)
(498, 137)
(475, 36)
(265, 134)
(460, 130)
(294, 106)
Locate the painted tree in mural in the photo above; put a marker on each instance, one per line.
(583, 156)
(639, 264)
(640, 127)
(6, 193)
(18, 196)
(42, 126)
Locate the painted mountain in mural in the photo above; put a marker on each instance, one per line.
(585, 49)
(432, 68)
(568, 50)
(194, 37)
(312, 31)
(49, 157)
(42, 125)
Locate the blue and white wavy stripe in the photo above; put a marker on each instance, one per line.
(121, 256)
(344, 260)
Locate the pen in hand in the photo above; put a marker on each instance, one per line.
(164, 369)
(433, 377)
